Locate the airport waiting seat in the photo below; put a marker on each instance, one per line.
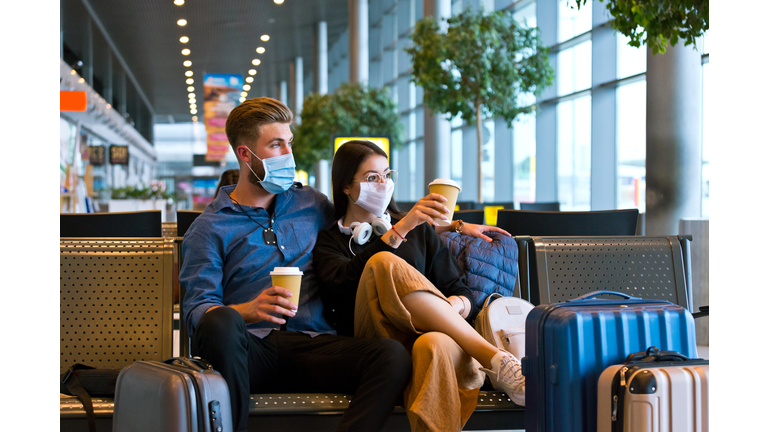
(469, 216)
(562, 268)
(126, 224)
(540, 206)
(169, 229)
(589, 223)
(115, 308)
(184, 219)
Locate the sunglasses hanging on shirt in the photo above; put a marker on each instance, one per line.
(270, 237)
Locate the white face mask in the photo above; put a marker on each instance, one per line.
(375, 196)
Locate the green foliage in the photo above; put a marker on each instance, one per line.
(156, 190)
(352, 110)
(483, 61)
(658, 22)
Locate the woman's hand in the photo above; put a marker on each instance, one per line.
(478, 230)
(428, 209)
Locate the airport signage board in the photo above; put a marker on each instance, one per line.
(222, 93)
(96, 155)
(381, 141)
(118, 154)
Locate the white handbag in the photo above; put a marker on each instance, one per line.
(502, 323)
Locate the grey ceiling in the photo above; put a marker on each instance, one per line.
(224, 35)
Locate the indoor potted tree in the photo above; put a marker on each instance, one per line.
(480, 68)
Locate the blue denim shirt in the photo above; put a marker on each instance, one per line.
(226, 260)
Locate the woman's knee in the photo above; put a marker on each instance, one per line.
(385, 259)
(431, 344)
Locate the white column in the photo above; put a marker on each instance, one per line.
(283, 92)
(358, 41)
(321, 58)
(297, 77)
(437, 130)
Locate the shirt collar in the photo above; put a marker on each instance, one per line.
(223, 200)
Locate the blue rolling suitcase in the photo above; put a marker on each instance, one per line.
(568, 345)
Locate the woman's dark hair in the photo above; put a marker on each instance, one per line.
(229, 177)
(347, 160)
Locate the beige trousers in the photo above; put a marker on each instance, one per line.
(446, 381)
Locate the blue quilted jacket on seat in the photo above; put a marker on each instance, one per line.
(490, 267)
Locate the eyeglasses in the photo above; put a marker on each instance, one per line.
(377, 178)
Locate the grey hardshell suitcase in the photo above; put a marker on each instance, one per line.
(179, 394)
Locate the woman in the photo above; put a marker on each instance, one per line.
(404, 284)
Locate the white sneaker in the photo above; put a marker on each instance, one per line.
(506, 375)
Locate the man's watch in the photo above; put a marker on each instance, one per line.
(459, 226)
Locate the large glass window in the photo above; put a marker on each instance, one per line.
(571, 21)
(630, 60)
(526, 15)
(704, 147)
(574, 68)
(524, 155)
(457, 146)
(487, 164)
(574, 153)
(630, 146)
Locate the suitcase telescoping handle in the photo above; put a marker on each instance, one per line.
(196, 363)
(653, 354)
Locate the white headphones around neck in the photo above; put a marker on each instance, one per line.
(361, 231)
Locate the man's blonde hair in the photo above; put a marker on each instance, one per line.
(245, 121)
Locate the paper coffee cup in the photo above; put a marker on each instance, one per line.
(450, 190)
(290, 279)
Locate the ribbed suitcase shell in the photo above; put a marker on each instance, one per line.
(679, 402)
(154, 396)
(568, 345)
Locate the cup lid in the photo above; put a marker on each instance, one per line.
(286, 271)
(444, 181)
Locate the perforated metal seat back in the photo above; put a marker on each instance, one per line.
(645, 267)
(115, 301)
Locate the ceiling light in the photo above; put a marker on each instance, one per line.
(265, 37)
(81, 80)
(194, 118)
(242, 99)
(193, 111)
(186, 51)
(187, 63)
(249, 79)
(109, 106)
(181, 22)
(246, 87)
(260, 50)
(183, 39)
(256, 62)
(192, 100)
(190, 81)
(188, 73)
(252, 72)
(178, 2)
(244, 94)
(278, 1)
(193, 106)
(191, 95)
(73, 72)
(190, 89)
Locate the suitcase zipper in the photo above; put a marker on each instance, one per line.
(623, 377)
(615, 407)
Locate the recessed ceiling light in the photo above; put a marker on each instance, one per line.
(190, 89)
(191, 95)
(242, 99)
(183, 39)
(194, 118)
(278, 1)
(265, 37)
(109, 106)
(188, 73)
(192, 100)
(249, 79)
(190, 81)
(181, 22)
(178, 2)
(256, 62)
(186, 51)
(81, 80)
(193, 111)
(193, 106)
(246, 87)
(244, 94)
(187, 63)
(73, 72)
(252, 72)
(260, 50)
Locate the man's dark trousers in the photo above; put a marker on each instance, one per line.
(374, 371)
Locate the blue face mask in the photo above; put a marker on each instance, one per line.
(280, 171)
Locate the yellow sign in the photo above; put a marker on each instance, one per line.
(491, 214)
(382, 142)
(302, 177)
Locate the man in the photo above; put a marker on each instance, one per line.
(249, 330)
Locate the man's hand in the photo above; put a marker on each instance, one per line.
(271, 300)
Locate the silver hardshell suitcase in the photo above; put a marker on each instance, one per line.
(179, 394)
